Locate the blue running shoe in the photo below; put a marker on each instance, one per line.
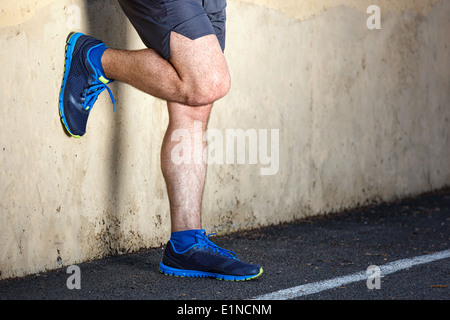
(206, 259)
(81, 85)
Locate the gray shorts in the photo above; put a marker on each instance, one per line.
(155, 19)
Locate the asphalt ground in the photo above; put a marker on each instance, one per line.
(305, 252)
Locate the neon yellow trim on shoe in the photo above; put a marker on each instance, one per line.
(103, 80)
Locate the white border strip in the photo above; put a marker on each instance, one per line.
(319, 286)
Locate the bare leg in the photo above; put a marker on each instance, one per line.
(185, 182)
(196, 75)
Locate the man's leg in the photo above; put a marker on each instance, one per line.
(195, 75)
(185, 182)
(193, 78)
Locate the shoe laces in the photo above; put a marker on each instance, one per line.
(93, 91)
(203, 241)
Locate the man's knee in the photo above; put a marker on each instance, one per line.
(209, 89)
(202, 68)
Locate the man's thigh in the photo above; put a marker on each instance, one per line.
(191, 35)
(199, 60)
(156, 20)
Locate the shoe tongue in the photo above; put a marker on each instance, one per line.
(200, 235)
(96, 73)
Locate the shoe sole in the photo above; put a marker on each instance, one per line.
(70, 45)
(202, 274)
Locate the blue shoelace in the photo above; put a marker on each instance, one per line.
(205, 242)
(92, 93)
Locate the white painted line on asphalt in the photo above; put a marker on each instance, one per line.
(319, 286)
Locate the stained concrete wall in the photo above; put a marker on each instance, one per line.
(362, 116)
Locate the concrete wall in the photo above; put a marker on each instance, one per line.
(362, 116)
